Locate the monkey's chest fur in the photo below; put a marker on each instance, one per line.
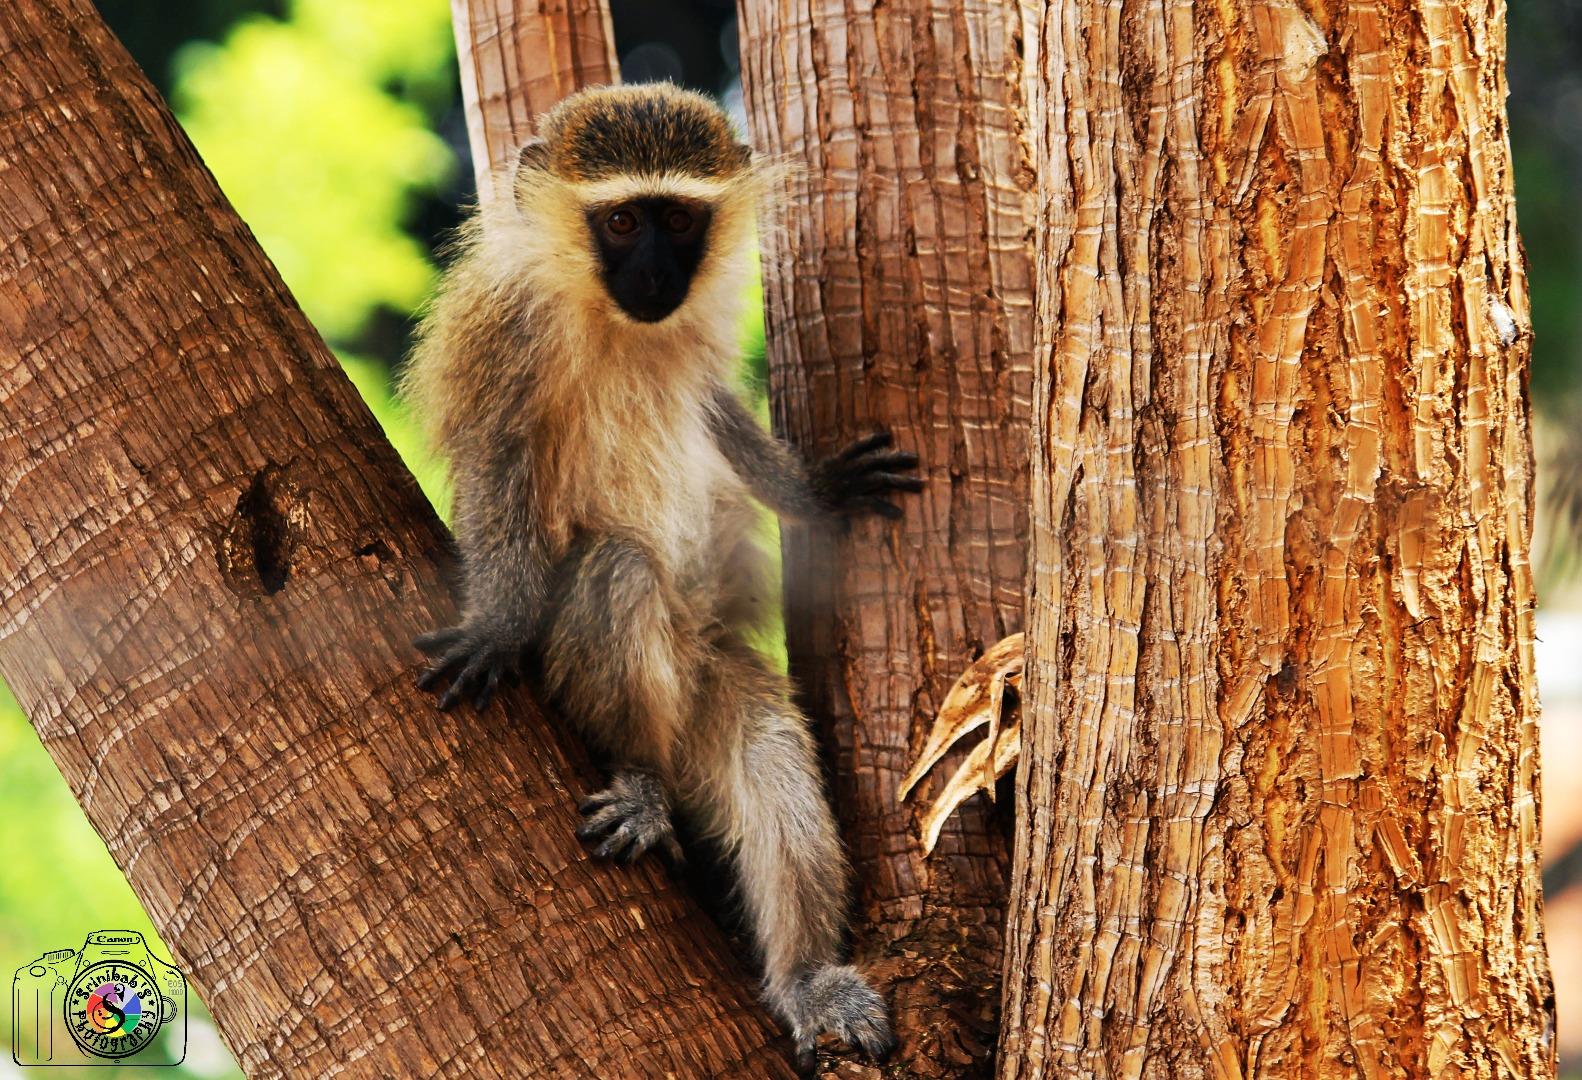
(637, 459)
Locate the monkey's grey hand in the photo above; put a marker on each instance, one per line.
(476, 657)
(857, 479)
(629, 817)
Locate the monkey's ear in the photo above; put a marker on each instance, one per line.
(533, 155)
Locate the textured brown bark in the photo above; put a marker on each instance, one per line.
(210, 566)
(899, 296)
(1277, 814)
(517, 59)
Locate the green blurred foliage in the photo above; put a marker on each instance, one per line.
(1547, 203)
(372, 379)
(1544, 39)
(322, 160)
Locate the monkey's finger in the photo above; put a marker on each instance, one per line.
(599, 822)
(464, 685)
(437, 671)
(672, 850)
(617, 844)
(868, 483)
(442, 667)
(595, 801)
(883, 507)
(877, 441)
(437, 641)
(900, 459)
(485, 692)
(872, 1037)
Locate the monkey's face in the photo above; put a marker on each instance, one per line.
(649, 251)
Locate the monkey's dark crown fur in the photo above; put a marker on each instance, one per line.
(647, 129)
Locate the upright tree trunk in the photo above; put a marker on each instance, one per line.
(1277, 815)
(899, 296)
(517, 59)
(210, 566)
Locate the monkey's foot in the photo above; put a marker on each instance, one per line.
(836, 1000)
(629, 817)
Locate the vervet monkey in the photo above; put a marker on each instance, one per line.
(577, 370)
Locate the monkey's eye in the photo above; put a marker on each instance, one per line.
(621, 223)
(677, 220)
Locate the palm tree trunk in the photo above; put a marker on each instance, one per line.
(899, 296)
(517, 59)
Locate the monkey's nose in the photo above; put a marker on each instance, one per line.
(652, 281)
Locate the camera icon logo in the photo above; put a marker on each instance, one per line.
(109, 1002)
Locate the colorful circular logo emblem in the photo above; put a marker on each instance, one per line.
(112, 1009)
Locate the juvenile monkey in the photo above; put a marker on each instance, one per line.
(576, 368)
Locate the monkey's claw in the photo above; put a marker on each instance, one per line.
(628, 818)
(476, 661)
(857, 479)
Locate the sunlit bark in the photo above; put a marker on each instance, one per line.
(1277, 815)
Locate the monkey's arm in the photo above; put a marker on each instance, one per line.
(505, 582)
(855, 480)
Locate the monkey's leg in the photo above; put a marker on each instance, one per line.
(620, 667)
(748, 773)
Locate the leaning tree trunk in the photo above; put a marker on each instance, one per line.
(517, 59)
(1277, 815)
(210, 566)
(899, 296)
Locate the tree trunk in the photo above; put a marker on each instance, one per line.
(1277, 814)
(212, 563)
(517, 59)
(899, 296)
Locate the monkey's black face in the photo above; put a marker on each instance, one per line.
(650, 249)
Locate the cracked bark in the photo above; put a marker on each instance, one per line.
(211, 563)
(1277, 814)
(899, 295)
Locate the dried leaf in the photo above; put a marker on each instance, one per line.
(996, 708)
(977, 698)
(968, 705)
(966, 780)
